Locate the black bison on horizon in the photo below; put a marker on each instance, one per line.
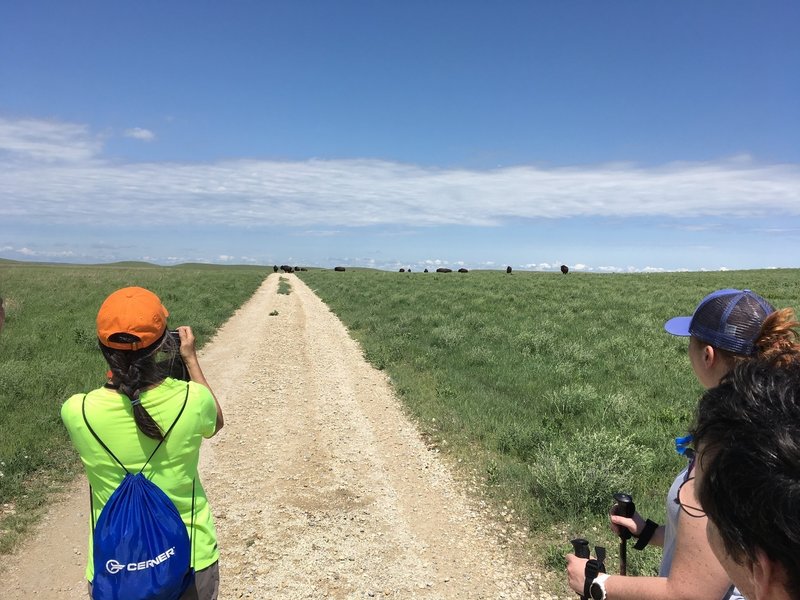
(564, 269)
(339, 269)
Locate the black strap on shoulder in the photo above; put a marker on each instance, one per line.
(97, 437)
(106, 448)
(91, 505)
(191, 528)
(163, 439)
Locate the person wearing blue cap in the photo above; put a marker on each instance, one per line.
(725, 328)
(729, 326)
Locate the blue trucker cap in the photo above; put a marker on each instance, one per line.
(727, 319)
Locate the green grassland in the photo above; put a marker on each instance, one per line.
(48, 351)
(558, 390)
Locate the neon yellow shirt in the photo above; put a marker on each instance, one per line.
(174, 466)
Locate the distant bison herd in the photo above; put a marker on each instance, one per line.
(288, 269)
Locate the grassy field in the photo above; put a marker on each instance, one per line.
(48, 351)
(558, 390)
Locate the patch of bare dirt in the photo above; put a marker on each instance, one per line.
(320, 485)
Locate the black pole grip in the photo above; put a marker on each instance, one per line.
(624, 507)
(581, 547)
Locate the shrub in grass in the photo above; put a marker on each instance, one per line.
(576, 475)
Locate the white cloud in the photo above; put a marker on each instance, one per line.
(138, 133)
(27, 142)
(55, 176)
(32, 253)
(319, 233)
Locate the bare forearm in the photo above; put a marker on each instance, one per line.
(652, 588)
(196, 375)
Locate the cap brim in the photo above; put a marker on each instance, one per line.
(678, 326)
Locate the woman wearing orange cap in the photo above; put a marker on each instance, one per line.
(133, 413)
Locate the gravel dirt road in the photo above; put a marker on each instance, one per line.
(320, 485)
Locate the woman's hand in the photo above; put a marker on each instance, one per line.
(634, 524)
(189, 355)
(576, 573)
(188, 350)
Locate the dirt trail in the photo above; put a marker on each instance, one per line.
(320, 486)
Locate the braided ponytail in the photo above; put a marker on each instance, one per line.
(134, 371)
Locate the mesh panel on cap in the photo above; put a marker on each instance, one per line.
(731, 321)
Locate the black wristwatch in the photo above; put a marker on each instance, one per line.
(598, 587)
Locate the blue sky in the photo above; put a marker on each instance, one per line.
(609, 136)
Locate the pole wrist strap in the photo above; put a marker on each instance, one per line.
(594, 566)
(647, 533)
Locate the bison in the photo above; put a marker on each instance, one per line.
(287, 269)
(402, 270)
(425, 271)
(339, 269)
(564, 269)
(274, 268)
(444, 270)
(508, 270)
(463, 270)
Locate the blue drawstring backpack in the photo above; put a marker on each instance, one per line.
(142, 550)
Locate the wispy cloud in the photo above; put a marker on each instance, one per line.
(319, 233)
(56, 176)
(138, 133)
(28, 142)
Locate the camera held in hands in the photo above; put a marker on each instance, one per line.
(172, 364)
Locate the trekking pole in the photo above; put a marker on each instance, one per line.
(624, 507)
(581, 547)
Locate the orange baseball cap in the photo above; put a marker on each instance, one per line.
(136, 313)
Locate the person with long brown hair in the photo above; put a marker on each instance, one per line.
(728, 327)
(141, 407)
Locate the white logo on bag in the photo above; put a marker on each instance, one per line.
(114, 566)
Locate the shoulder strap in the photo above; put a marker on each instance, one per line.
(106, 448)
(83, 411)
(164, 439)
